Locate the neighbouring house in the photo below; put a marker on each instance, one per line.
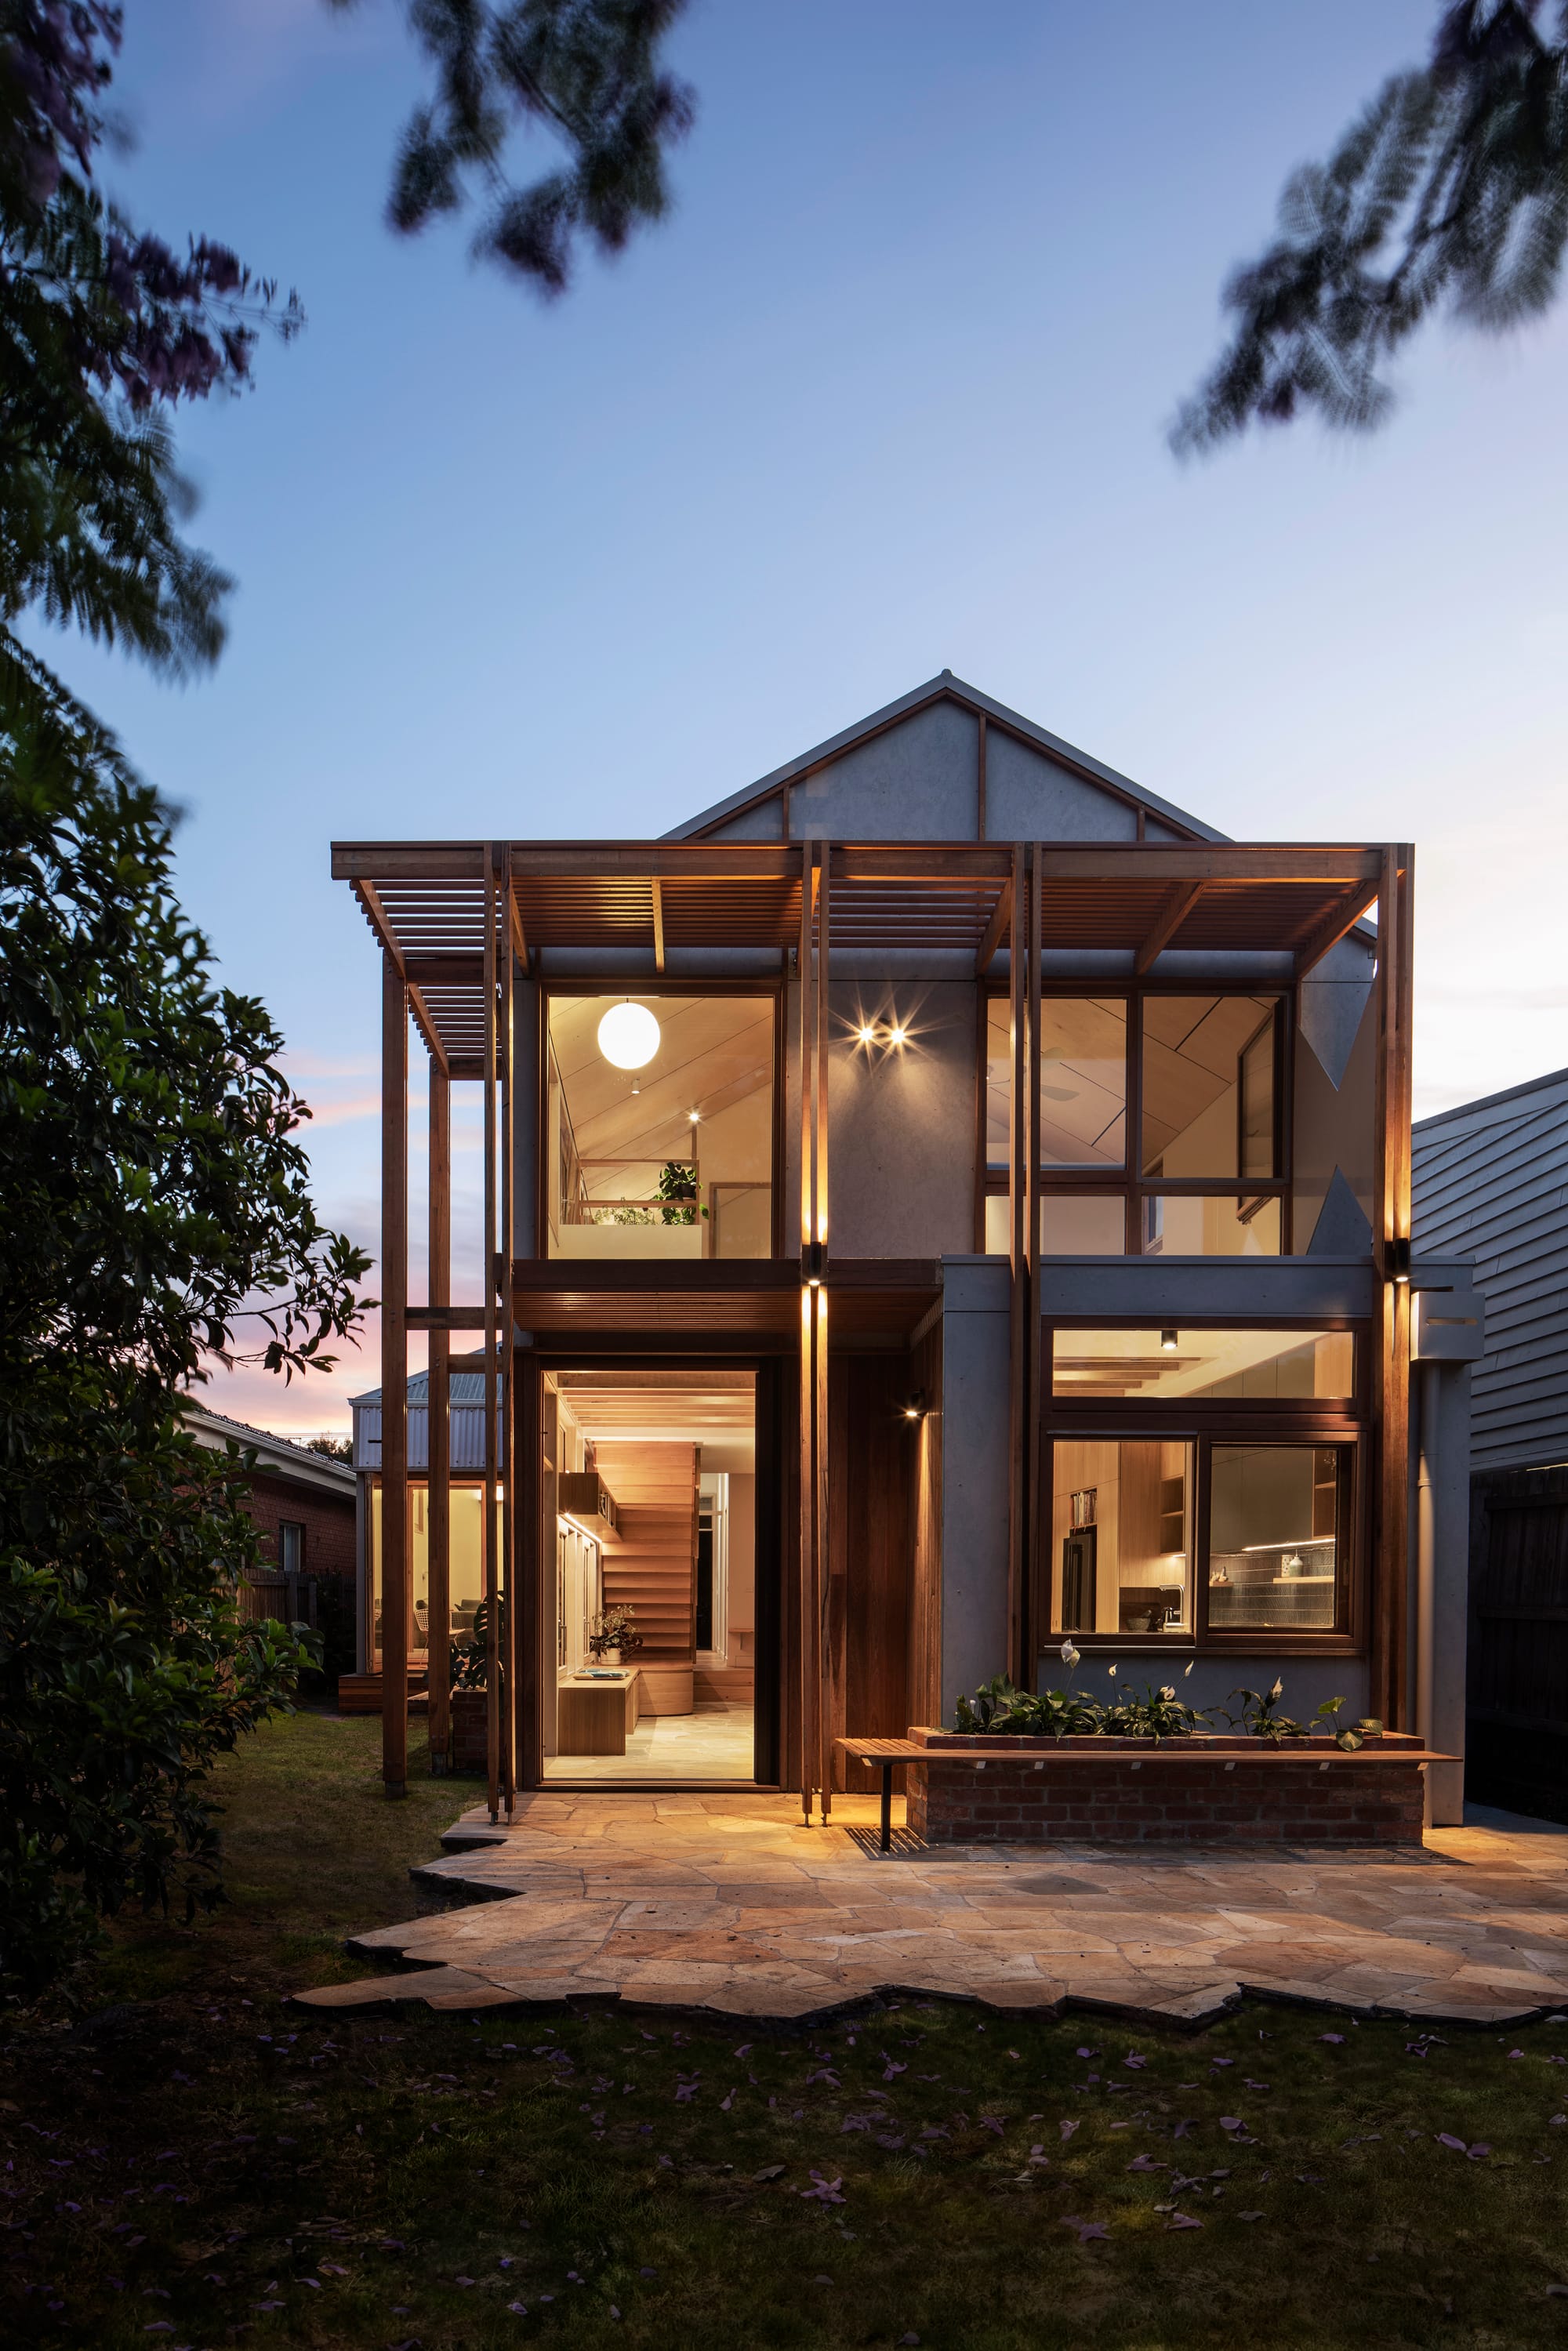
(940, 1202)
(1492, 1182)
(304, 1504)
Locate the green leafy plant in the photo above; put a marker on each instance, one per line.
(1260, 1719)
(471, 1659)
(615, 1628)
(1001, 1707)
(1157, 1714)
(677, 1187)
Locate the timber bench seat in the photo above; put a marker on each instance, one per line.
(886, 1754)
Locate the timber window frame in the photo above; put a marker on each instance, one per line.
(1140, 1193)
(678, 986)
(1343, 1424)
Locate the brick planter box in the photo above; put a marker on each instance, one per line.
(1199, 1790)
(469, 1750)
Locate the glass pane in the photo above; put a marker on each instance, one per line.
(1208, 1068)
(1083, 1224)
(1082, 1081)
(1275, 1557)
(1258, 1100)
(1178, 1224)
(1072, 1224)
(466, 1562)
(1311, 1365)
(672, 1157)
(998, 1082)
(1121, 1539)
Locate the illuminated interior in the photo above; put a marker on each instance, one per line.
(1260, 1364)
(670, 1158)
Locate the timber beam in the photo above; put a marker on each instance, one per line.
(1335, 924)
(1183, 898)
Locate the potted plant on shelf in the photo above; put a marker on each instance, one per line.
(613, 1637)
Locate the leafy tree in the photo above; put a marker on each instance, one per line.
(585, 71)
(153, 1200)
(1450, 192)
(332, 1449)
(103, 329)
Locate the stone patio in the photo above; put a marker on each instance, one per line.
(728, 1902)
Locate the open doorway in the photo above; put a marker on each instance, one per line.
(653, 1669)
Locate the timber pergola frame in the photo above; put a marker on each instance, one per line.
(454, 919)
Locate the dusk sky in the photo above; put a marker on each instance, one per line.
(887, 392)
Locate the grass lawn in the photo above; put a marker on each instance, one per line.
(191, 2163)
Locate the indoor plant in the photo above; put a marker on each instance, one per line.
(613, 1637)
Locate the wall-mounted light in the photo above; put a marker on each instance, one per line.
(629, 1036)
(814, 1263)
(1397, 1257)
(892, 1034)
(695, 1116)
(915, 1407)
(1168, 1342)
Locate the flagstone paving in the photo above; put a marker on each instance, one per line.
(729, 1902)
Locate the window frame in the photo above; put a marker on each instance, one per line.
(1346, 1425)
(663, 985)
(1129, 1181)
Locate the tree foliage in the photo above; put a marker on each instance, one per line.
(1450, 192)
(154, 1197)
(587, 72)
(103, 327)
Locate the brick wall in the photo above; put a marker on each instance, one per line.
(328, 1524)
(1230, 1799)
(470, 1732)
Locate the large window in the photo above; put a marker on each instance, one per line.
(659, 1127)
(1201, 1079)
(1203, 1485)
(1186, 1537)
(1122, 1536)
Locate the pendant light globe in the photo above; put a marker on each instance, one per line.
(629, 1036)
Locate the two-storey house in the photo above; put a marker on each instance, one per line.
(941, 1202)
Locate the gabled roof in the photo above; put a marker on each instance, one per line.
(1519, 1094)
(945, 688)
(276, 1456)
(466, 1385)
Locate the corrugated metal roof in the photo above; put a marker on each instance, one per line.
(467, 1388)
(1490, 1181)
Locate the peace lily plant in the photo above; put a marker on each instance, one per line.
(1001, 1707)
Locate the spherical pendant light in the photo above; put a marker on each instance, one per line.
(629, 1036)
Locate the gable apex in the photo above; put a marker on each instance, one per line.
(748, 811)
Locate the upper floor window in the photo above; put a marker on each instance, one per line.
(1208, 1087)
(1082, 1081)
(1200, 1079)
(658, 1136)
